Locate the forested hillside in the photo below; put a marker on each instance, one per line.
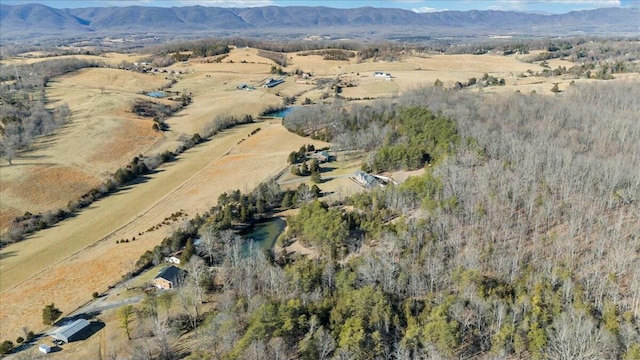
(521, 240)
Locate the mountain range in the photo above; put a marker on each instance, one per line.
(29, 20)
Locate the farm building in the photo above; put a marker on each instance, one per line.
(45, 349)
(322, 156)
(71, 332)
(174, 258)
(168, 278)
(386, 76)
(273, 82)
(366, 180)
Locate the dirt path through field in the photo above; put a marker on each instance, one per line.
(80, 255)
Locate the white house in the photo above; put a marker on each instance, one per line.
(381, 74)
(172, 259)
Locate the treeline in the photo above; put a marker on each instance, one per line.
(195, 48)
(23, 114)
(330, 54)
(23, 121)
(331, 50)
(278, 58)
(217, 46)
(139, 166)
(387, 51)
(35, 76)
(233, 212)
(159, 111)
(594, 57)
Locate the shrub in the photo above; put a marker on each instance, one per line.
(6, 347)
(50, 314)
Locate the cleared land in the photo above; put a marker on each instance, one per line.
(101, 137)
(110, 58)
(65, 264)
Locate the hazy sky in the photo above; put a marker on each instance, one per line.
(547, 6)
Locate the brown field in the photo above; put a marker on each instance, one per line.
(35, 57)
(68, 262)
(100, 138)
(72, 262)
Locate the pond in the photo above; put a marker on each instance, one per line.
(157, 94)
(265, 234)
(281, 113)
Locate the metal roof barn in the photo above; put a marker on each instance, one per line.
(69, 332)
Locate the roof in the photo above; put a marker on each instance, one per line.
(367, 180)
(66, 332)
(273, 82)
(170, 273)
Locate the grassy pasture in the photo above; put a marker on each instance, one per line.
(100, 138)
(65, 264)
(37, 56)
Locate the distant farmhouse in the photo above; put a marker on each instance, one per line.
(168, 278)
(380, 74)
(369, 181)
(273, 82)
(244, 86)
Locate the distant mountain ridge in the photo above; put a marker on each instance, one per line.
(35, 19)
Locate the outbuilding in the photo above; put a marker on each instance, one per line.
(45, 349)
(71, 332)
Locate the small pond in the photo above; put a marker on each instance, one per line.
(265, 233)
(281, 113)
(157, 94)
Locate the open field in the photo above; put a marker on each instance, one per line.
(71, 264)
(65, 165)
(68, 262)
(109, 58)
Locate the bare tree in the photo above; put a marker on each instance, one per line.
(196, 270)
(576, 336)
(164, 338)
(187, 294)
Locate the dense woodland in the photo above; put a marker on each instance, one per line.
(521, 240)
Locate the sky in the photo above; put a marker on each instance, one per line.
(540, 6)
